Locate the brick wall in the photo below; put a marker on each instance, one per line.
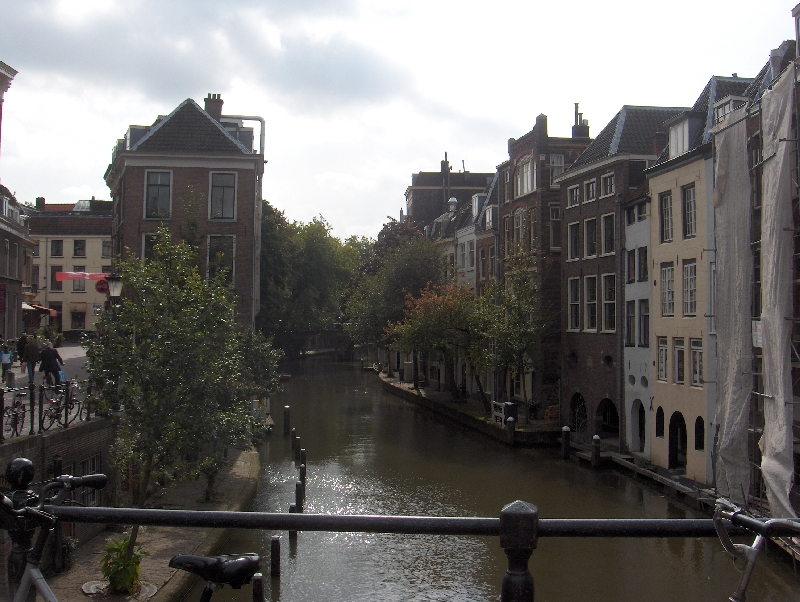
(78, 442)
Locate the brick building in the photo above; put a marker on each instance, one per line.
(430, 191)
(74, 237)
(593, 190)
(530, 216)
(197, 172)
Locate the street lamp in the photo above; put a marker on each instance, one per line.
(114, 286)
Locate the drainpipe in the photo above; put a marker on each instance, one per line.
(621, 325)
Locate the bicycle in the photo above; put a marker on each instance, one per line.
(727, 510)
(22, 512)
(14, 418)
(59, 407)
(235, 570)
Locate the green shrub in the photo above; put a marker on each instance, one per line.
(122, 572)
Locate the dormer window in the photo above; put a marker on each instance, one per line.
(726, 105)
(489, 213)
(679, 138)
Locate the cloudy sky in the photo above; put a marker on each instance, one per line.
(357, 94)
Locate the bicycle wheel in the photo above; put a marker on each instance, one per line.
(9, 423)
(19, 417)
(50, 415)
(72, 411)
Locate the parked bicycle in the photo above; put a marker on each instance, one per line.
(14, 417)
(22, 512)
(727, 510)
(59, 406)
(235, 570)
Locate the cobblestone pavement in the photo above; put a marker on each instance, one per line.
(236, 486)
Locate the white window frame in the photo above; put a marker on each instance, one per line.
(603, 219)
(556, 168)
(233, 260)
(644, 323)
(211, 175)
(573, 228)
(607, 185)
(555, 226)
(586, 252)
(696, 362)
(574, 301)
(492, 261)
(679, 138)
(689, 287)
(609, 302)
(667, 289)
(712, 299)
(679, 360)
(78, 286)
(471, 253)
(630, 323)
(689, 205)
(106, 244)
(462, 251)
(662, 358)
(590, 186)
(524, 177)
(665, 215)
(144, 242)
(590, 295)
(171, 194)
(519, 222)
(573, 196)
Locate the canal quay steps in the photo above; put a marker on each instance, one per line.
(236, 488)
(469, 413)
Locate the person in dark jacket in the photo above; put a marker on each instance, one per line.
(23, 340)
(31, 355)
(51, 364)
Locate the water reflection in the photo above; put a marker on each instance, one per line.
(372, 453)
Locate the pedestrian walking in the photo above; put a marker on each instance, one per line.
(6, 359)
(23, 340)
(31, 356)
(51, 363)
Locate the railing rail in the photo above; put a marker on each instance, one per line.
(518, 527)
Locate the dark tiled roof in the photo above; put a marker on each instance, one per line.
(788, 51)
(189, 129)
(629, 132)
(70, 225)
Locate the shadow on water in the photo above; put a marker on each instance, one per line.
(370, 452)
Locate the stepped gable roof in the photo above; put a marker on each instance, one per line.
(629, 132)
(189, 129)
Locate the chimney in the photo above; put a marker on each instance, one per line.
(40, 203)
(581, 127)
(775, 63)
(659, 142)
(452, 205)
(214, 106)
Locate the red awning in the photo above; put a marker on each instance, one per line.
(38, 308)
(62, 276)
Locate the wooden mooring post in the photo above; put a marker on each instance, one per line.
(596, 451)
(299, 495)
(287, 422)
(258, 588)
(565, 442)
(275, 556)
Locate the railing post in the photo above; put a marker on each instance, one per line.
(286, 420)
(32, 396)
(565, 443)
(2, 411)
(292, 510)
(297, 451)
(299, 494)
(275, 556)
(302, 475)
(518, 538)
(294, 438)
(302, 456)
(88, 405)
(596, 451)
(41, 408)
(258, 588)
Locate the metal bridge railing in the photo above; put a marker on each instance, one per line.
(518, 527)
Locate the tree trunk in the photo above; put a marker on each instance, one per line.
(525, 397)
(451, 373)
(487, 407)
(414, 359)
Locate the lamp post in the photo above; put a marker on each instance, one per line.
(114, 287)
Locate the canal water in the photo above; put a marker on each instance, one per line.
(370, 452)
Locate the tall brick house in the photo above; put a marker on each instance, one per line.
(593, 192)
(530, 214)
(430, 191)
(195, 171)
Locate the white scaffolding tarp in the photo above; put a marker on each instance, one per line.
(777, 247)
(732, 208)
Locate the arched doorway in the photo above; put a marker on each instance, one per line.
(577, 414)
(677, 441)
(638, 425)
(607, 420)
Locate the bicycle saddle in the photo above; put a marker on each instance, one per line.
(233, 569)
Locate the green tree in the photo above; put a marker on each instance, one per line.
(379, 297)
(172, 360)
(451, 321)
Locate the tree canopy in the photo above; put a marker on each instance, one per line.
(171, 359)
